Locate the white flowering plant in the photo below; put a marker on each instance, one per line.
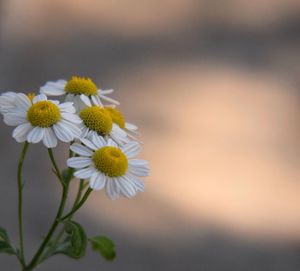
(102, 155)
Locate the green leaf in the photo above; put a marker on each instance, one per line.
(75, 243)
(3, 235)
(5, 246)
(104, 246)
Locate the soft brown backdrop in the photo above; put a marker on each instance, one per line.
(214, 87)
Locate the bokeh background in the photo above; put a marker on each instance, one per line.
(213, 86)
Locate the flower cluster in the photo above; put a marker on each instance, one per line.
(103, 145)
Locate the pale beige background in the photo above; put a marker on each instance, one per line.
(214, 87)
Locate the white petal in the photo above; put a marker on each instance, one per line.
(96, 100)
(91, 134)
(81, 150)
(130, 126)
(131, 149)
(54, 88)
(98, 141)
(117, 140)
(51, 91)
(85, 99)
(66, 131)
(88, 143)
(76, 131)
(136, 182)
(63, 133)
(20, 132)
(49, 139)
(59, 83)
(78, 103)
(71, 117)
(110, 142)
(105, 91)
(84, 131)
(55, 102)
(118, 135)
(22, 101)
(10, 95)
(138, 162)
(14, 119)
(79, 162)
(126, 187)
(138, 168)
(84, 173)
(67, 107)
(134, 137)
(112, 190)
(118, 131)
(35, 135)
(38, 98)
(97, 181)
(7, 101)
(103, 97)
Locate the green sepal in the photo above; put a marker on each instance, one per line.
(104, 246)
(5, 246)
(67, 175)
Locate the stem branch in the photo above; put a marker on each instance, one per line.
(60, 234)
(57, 171)
(78, 206)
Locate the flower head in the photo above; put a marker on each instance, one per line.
(97, 121)
(119, 121)
(105, 164)
(80, 90)
(39, 119)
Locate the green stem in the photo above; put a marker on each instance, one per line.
(79, 193)
(78, 206)
(36, 257)
(60, 234)
(20, 201)
(57, 171)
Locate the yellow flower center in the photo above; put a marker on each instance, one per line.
(97, 119)
(117, 116)
(43, 114)
(81, 85)
(31, 95)
(111, 161)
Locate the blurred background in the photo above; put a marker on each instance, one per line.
(214, 87)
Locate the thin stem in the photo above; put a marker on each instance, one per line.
(36, 257)
(60, 234)
(78, 206)
(55, 223)
(57, 171)
(20, 200)
(79, 193)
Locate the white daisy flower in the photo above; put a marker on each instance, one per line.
(38, 119)
(7, 102)
(105, 164)
(79, 90)
(119, 121)
(97, 121)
